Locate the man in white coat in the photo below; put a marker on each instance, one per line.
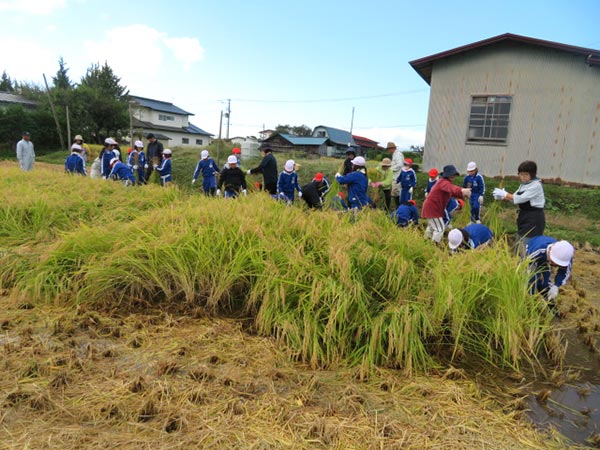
(25, 153)
(397, 164)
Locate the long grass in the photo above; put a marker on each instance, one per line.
(335, 288)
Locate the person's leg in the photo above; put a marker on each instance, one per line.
(387, 197)
(438, 226)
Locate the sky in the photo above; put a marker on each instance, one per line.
(343, 64)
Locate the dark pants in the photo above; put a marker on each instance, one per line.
(271, 188)
(387, 198)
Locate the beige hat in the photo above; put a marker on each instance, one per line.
(78, 138)
(386, 162)
(390, 145)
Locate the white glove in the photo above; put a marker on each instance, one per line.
(145, 166)
(552, 293)
(218, 192)
(410, 191)
(154, 166)
(480, 200)
(337, 175)
(135, 167)
(193, 181)
(466, 193)
(249, 172)
(244, 191)
(500, 193)
(299, 194)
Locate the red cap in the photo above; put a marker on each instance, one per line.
(461, 202)
(412, 202)
(408, 161)
(318, 176)
(433, 173)
(236, 151)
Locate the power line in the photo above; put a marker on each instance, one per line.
(325, 100)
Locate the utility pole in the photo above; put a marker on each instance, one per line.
(60, 136)
(228, 114)
(352, 121)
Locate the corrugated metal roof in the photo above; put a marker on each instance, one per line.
(158, 105)
(303, 140)
(424, 66)
(338, 136)
(196, 130)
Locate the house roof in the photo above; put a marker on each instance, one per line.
(298, 140)
(424, 66)
(158, 105)
(364, 142)
(338, 136)
(190, 129)
(7, 97)
(193, 129)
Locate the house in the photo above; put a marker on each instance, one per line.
(283, 142)
(364, 144)
(8, 99)
(338, 140)
(512, 98)
(248, 145)
(169, 123)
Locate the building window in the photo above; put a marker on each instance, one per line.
(489, 118)
(321, 134)
(198, 141)
(165, 117)
(185, 141)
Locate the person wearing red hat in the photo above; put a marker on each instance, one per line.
(454, 204)
(407, 181)
(433, 177)
(314, 192)
(406, 214)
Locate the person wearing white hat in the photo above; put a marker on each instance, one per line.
(209, 169)
(164, 169)
(475, 181)
(545, 254)
(121, 171)
(287, 183)
(74, 162)
(136, 160)
(358, 183)
(472, 236)
(232, 179)
(106, 154)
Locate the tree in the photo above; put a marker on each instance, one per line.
(6, 84)
(61, 80)
(301, 130)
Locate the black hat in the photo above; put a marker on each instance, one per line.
(150, 136)
(25, 133)
(266, 149)
(351, 150)
(449, 171)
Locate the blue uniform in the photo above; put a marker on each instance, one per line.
(75, 164)
(539, 266)
(287, 184)
(106, 157)
(450, 208)
(478, 234)
(138, 159)
(208, 168)
(477, 185)
(407, 180)
(430, 185)
(357, 189)
(405, 215)
(121, 171)
(165, 171)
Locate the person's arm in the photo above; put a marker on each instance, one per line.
(197, 171)
(19, 150)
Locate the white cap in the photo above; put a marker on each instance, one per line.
(116, 152)
(76, 147)
(231, 159)
(114, 161)
(561, 253)
(455, 238)
(110, 141)
(359, 161)
(204, 154)
(289, 165)
(167, 151)
(139, 144)
(471, 166)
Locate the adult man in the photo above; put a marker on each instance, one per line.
(25, 153)
(154, 154)
(397, 164)
(268, 167)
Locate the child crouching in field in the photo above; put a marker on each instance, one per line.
(74, 162)
(120, 171)
(232, 179)
(406, 214)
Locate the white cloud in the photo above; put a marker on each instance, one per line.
(17, 56)
(402, 137)
(37, 7)
(186, 50)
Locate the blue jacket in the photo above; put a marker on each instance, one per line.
(136, 158)
(430, 185)
(450, 208)
(207, 167)
(357, 189)
(405, 215)
(539, 265)
(288, 183)
(479, 234)
(407, 179)
(165, 170)
(477, 185)
(106, 157)
(121, 171)
(75, 164)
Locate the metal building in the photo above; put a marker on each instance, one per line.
(512, 98)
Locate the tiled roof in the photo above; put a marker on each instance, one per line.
(158, 105)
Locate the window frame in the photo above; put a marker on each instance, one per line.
(492, 119)
(185, 140)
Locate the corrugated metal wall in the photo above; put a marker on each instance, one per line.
(554, 119)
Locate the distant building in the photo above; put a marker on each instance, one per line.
(283, 142)
(9, 99)
(337, 141)
(364, 144)
(249, 146)
(169, 123)
(512, 98)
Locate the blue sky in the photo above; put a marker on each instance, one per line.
(308, 62)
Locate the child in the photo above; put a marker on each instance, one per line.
(164, 170)
(454, 204)
(120, 171)
(209, 168)
(407, 180)
(136, 160)
(433, 177)
(472, 236)
(314, 192)
(106, 155)
(288, 181)
(474, 180)
(406, 214)
(74, 162)
(232, 178)
(357, 185)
